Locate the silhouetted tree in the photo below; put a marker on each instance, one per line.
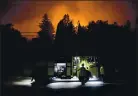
(46, 28)
(64, 36)
(12, 43)
(82, 39)
(115, 24)
(128, 25)
(45, 40)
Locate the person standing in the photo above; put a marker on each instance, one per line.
(83, 73)
(101, 73)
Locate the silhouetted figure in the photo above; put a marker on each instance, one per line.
(83, 75)
(101, 73)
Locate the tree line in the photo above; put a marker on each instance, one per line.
(114, 44)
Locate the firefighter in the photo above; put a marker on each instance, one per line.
(82, 74)
(101, 73)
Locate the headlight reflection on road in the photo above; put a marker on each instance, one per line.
(73, 79)
(94, 84)
(59, 79)
(59, 85)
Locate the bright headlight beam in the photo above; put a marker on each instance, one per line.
(65, 83)
(23, 82)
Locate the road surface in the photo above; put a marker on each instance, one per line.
(22, 87)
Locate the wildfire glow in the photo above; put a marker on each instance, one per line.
(26, 16)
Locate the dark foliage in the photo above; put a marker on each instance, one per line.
(114, 44)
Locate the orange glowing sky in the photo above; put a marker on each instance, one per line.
(26, 16)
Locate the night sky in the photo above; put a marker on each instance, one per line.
(26, 16)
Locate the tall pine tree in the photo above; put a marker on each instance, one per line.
(46, 29)
(45, 36)
(64, 36)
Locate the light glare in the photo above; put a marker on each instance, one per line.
(66, 83)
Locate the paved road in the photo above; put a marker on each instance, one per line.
(22, 87)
